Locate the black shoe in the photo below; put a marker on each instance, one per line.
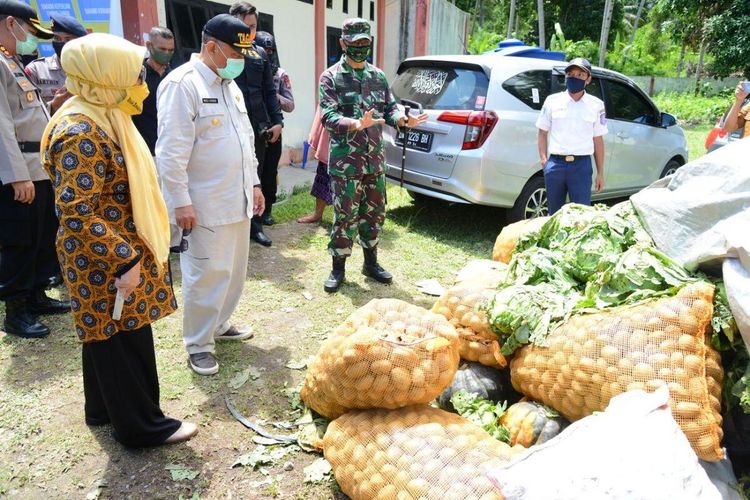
(372, 269)
(39, 303)
(19, 322)
(267, 220)
(257, 234)
(336, 277)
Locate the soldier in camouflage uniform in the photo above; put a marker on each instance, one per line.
(355, 102)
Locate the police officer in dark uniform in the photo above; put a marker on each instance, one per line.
(27, 219)
(256, 84)
(46, 72)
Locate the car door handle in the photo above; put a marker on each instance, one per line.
(622, 135)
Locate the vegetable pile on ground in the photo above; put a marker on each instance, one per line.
(639, 322)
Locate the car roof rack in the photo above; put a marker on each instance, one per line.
(516, 48)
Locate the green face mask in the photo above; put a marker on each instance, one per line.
(161, 56)
(233, 69)
(28, 46)
(358, 54)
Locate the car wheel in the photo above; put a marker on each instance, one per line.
(671, 168)
(532, 202)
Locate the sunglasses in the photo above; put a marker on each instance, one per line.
(183, 246)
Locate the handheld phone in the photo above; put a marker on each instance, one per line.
(746, 87)
(119, 302)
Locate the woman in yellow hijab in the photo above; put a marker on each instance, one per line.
(113, 238)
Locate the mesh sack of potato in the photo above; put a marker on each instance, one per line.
(418, 452)
(592, 358)
(482, 273)
(463, 305)
(506, 241)
(387, 354)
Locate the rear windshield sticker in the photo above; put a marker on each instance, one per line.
(429, 81)
(479, 103)
(535, 96)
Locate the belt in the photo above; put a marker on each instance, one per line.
(29, 147)
(569, 158)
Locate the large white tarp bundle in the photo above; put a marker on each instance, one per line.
(700, 216)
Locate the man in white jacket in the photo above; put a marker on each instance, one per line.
(206, 159)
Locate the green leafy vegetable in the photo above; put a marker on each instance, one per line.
(482, 412)
(639, 273)
(520, 314)
(538, 265)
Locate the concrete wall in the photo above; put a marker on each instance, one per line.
(447, 33)
(668, 84)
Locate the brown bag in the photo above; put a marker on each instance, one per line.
(387, 354)
(411, 453)
(462, 306)
(506, 241)
(594, 357)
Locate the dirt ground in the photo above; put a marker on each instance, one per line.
(46, 450)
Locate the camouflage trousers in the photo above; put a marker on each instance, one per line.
(358, 207)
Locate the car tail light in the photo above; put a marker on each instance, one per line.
(479, 125)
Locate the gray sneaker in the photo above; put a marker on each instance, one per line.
(234, 333)
(204, 363)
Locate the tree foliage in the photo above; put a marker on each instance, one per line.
(728, 36)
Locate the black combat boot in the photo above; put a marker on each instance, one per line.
(336, 277)
(38, 303)
(372, 269)
(267, 219)
(19, 322)
(257, 234)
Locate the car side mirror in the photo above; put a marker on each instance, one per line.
(668, 120)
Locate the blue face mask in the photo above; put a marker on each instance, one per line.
(233, 69)
(574, 85)
(28, 46)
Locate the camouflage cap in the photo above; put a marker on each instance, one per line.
(355, 29)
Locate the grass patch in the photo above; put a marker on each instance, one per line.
(694, 110)
(696, 137)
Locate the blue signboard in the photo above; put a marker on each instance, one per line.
(49, 8)
(93, 14)
(94, 11)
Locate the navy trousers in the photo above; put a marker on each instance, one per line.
(563, 179)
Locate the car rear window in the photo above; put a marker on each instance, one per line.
(442, 88)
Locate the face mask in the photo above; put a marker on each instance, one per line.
(28, 46)
(133, 102)
(57, 47)
(358, 54)
(161, 56)
(574, 85)
(233, 69)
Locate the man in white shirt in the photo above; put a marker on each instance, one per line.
(571, 128)
(206, 160)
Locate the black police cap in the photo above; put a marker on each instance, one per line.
(265, 39)
(230, 30)
(67, 24)
(22, 10)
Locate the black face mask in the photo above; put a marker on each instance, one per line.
(57, 47)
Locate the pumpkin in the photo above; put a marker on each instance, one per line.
(485, 381)
(531, 423)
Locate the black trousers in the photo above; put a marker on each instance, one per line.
(28, 258)
(121, 387)
(268, 178)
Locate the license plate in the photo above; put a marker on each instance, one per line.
(418, 140)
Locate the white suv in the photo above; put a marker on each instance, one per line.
(480, 143)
